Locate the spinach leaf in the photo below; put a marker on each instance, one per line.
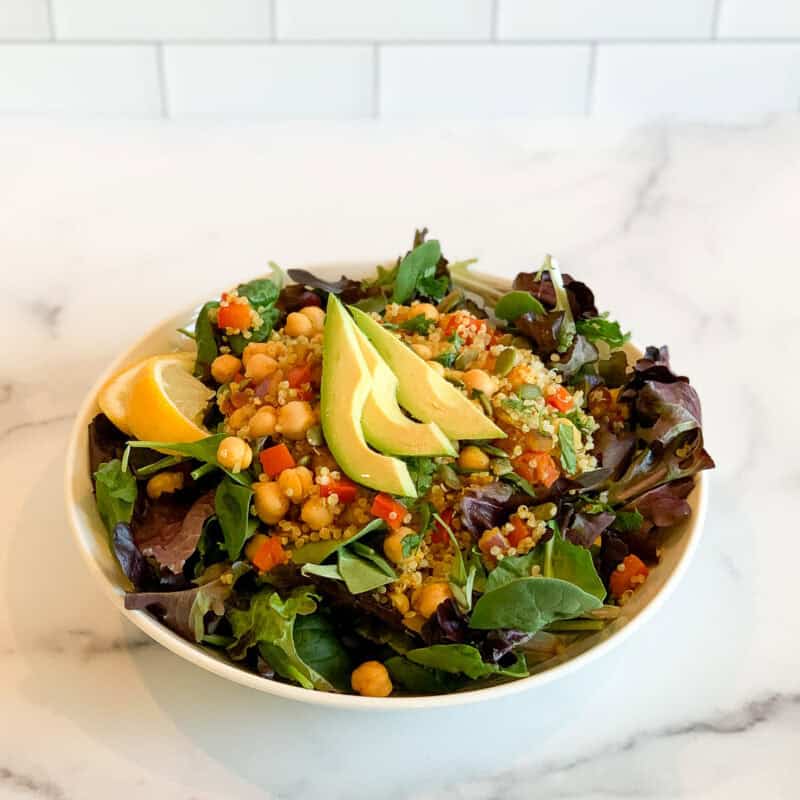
(419, 324)
(517, 480)
(361, 575)
(202, 450)
(367, 553)
(317, 552)
(422, 470)
(206, 340)
(528, 604)
(463, 659)
(513, 305)
(628, 521)
(115, 493)
(268, 623)
(420, 263)
(602, 329)
(567, 445)
(421, 680)
(319, 647)
(232, 507)
(556, 558)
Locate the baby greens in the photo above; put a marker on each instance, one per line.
(232, 507)
(115, 490)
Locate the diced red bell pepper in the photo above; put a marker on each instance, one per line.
(345, 490)
(440, 535)
(561, 399)
(270, 554)
(389, 510)
(299, 375)
(235, 315)
(275, 460)
(622, 580)
(520, 532)
(537, 468)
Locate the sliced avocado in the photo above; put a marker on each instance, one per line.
(346, 384)
(424, 393)
(384, 424)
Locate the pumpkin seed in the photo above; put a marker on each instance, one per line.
(314, 436)
(447, 475)
(521, 342)
(450, 301)
(466, 358)
(545, 511)
(529, 391)
(506, 361)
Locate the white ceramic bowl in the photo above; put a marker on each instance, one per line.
(92, 540)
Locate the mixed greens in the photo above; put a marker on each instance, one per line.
(253, 540)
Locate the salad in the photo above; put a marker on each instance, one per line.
(416, 483)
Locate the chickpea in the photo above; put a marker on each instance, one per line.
(371, 679)
(316, 315)
(316, 513)
(478, 380)
(472, 457)
(260, 366)
(521, 374)
(275, 349)
(234, 454)
(263, 422)
(224, 368)
(164, 483)
(423, 351)
(254, 349)
(400, 602)
(240, 417)
(298, 324)
(294, 419)
(426, 309)
(270, 502)
(437, 367)
(296, 483)
(393, 544)
(426, 599)
(254, 545)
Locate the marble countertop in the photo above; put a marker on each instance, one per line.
(690, 234)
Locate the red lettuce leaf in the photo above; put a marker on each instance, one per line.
(666, 410)
(581, 297)
(665, 505)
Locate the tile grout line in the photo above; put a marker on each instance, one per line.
(590, 77)
(441, 43)
(376, 81)
(495, 21)
(162, 80)
(715, 19)
(273, 20)
(51, 23)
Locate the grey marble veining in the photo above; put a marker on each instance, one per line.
(688, 233)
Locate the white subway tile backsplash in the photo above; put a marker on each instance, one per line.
(697, 79)
(759, 18)
(609, 19)
(161, 19)
(386, 19)
(24, 19)
(483, 81)
(274, 80)
(79, 79)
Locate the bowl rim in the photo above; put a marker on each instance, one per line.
(195, 654)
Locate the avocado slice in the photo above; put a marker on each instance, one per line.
(424, 393)
(346, 384)
(385, 426)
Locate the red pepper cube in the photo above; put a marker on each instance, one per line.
(275, 460)
(389, 510)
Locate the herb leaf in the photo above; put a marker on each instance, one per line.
(116, 492)
(628, 521)
(421, 469)
(602, 329)
(419, 324)
(567, 445)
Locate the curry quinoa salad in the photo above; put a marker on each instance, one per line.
(412, 484)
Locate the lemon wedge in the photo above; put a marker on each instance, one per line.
(115, 394)
(166, 402)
